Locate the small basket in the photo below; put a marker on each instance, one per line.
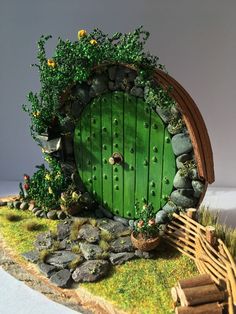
(143, 244)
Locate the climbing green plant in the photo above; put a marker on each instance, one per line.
(73, 62)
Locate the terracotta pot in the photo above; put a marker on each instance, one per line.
(143, 244)
(72, 210)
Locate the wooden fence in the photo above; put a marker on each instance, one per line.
(210, 254)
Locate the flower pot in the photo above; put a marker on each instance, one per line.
(72, 210)
(144, 244)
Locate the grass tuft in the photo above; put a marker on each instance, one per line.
(92, 222)
(104, 245)
(33, 225)
(77, 223)
(76, 249)
(76, 262)
(106, 236)
(12, 217)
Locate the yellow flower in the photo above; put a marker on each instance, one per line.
(43, 150)
(50, 190)
(82, 33)
(36, 113)
(75, 196)
(51, 63)
(93, 42)
(47, 177)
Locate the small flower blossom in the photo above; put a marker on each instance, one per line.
(51, 63)
(36, 114)
(50, 190)
(48, 177)
(93, 42)
(82, 33)
(151, 222)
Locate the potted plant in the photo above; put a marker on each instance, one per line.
(145, 235)
(69, 201)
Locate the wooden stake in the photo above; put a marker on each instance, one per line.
(211, 308)
(174, 295)
(191, 213)
(210, 235)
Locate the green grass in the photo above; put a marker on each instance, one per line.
(143, 286)
(15, 233)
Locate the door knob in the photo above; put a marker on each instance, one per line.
(116, 158)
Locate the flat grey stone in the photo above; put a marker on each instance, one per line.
(62, 278)
(99, 85)
(161, 217)
(47, 270)
(63, 230)
(114, 227)
(124, 221)
(89, 233)
(90, 251)
(181, 144)
(24, 206)
(181, 182)
(164, 113)
(91, 271)
(17, 204)
(183, 198)
(60, 259)
(61, 215)
(31, 256)
(44, 241)
(120, 258)
(39, 213)
(198, 187)
(169, 208)
(146, 255)
(193, 174)
(180, 160)
(122, 244)
(35, 209)
(52, 214)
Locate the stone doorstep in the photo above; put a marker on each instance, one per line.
(78, 298)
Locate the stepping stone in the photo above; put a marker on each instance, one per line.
(116, 228)
(61, 259)
(122, 244)
(89, 233)
(62, 278)
(63, 230)
(120, 258)
(90, 251)
(31, 256)
(47, 270)
(91, 271)
(44, 241)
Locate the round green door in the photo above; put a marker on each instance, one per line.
(123, 153)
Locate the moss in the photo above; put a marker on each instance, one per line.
(44, 254)
(106, 236)
(143, 286)
(76, 249)
(92, 222)
(104, 245)
(78, 260)
(16, 235)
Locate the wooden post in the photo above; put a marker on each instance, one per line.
(191, 213)
(211, 308)
(174, 295)
(196, 281)
(210, 235)
(201, 295)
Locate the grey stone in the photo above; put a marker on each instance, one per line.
(131, 223)
(161, 216)
(124, 221)
(181, 144)
(112, 86)
(66, 244)
(180, 160)
(35, 209)
(112, 72)
(175, 113)
(31, 256)
(124, 73)
(183, 198)
(99, 213)
(61, 215)
(47, 270)
(198, 187)
(82, 91)
(89, 233)
(162, 229)
(39, 213)
(105, 212)
(146, 255)
(120, 258)
(99, 85)
(60, 259)
(114, 227)
(91, 271)
(181, 182)
(121, 244)
(169, 208)
(193, 174)
(17, 204)
(62, 278)
(137, 91)
(3, 203)
(52, 214)
(10, 205)
(164, 113)
(63, 230)
(90, 251)
(44, 241)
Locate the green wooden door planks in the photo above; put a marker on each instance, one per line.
(121, 123)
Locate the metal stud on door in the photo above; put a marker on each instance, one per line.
(123, 153)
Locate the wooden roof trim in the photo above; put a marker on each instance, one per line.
(195, 125)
